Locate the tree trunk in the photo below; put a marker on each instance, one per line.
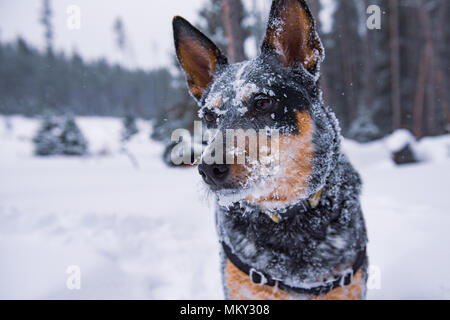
(395, 63)
(436, 79)
(442, 46)
(232, 14)
(368, 69)
(314, 6)
(420, 95)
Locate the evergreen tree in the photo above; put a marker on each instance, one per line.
(47, 140)
(130, 128)
(363, 128)
(46, 17)
(72, 139)
(32, 82)
(119, 30)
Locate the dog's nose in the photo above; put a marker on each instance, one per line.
(214, 174)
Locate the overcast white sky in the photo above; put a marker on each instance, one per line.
(147, 23)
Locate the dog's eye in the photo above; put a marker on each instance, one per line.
(263, 103)
(210, 117)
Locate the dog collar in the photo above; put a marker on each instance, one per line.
(262, 279)
(305, 205)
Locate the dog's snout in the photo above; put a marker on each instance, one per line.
(215, 174)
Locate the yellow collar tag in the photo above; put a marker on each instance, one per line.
(314, 200)
(275, 217)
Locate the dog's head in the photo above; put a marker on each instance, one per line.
(277, 93)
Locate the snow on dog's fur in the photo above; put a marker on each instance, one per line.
(279, 90)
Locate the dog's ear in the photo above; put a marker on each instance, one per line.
(198, 56)
(291, 35)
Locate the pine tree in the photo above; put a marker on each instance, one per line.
(363, 128)
(72, 139)
(119, 30)
(47, 140)
(46, 20)
(130, 128)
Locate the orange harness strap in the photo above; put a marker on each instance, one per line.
(261, 279)
(240, 287)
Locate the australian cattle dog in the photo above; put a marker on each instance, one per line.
(291, 228)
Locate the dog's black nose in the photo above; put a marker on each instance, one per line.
(214, 174)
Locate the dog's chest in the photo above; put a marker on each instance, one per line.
(240, 287)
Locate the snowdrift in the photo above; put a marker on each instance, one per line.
(149, 233)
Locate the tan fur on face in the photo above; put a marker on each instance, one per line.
(296, 154)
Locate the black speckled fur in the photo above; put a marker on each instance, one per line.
(304, 246)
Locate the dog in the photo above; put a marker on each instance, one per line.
(294, 229)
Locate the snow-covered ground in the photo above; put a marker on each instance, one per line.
(149, 233)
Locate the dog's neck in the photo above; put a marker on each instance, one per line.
(304, 245)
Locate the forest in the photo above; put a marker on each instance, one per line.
(376, 80)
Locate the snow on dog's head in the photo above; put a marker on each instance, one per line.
(273, 100)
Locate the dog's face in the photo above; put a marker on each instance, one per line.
(276, 91)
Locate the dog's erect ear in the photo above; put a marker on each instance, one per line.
(198, 56)
(291, 35)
